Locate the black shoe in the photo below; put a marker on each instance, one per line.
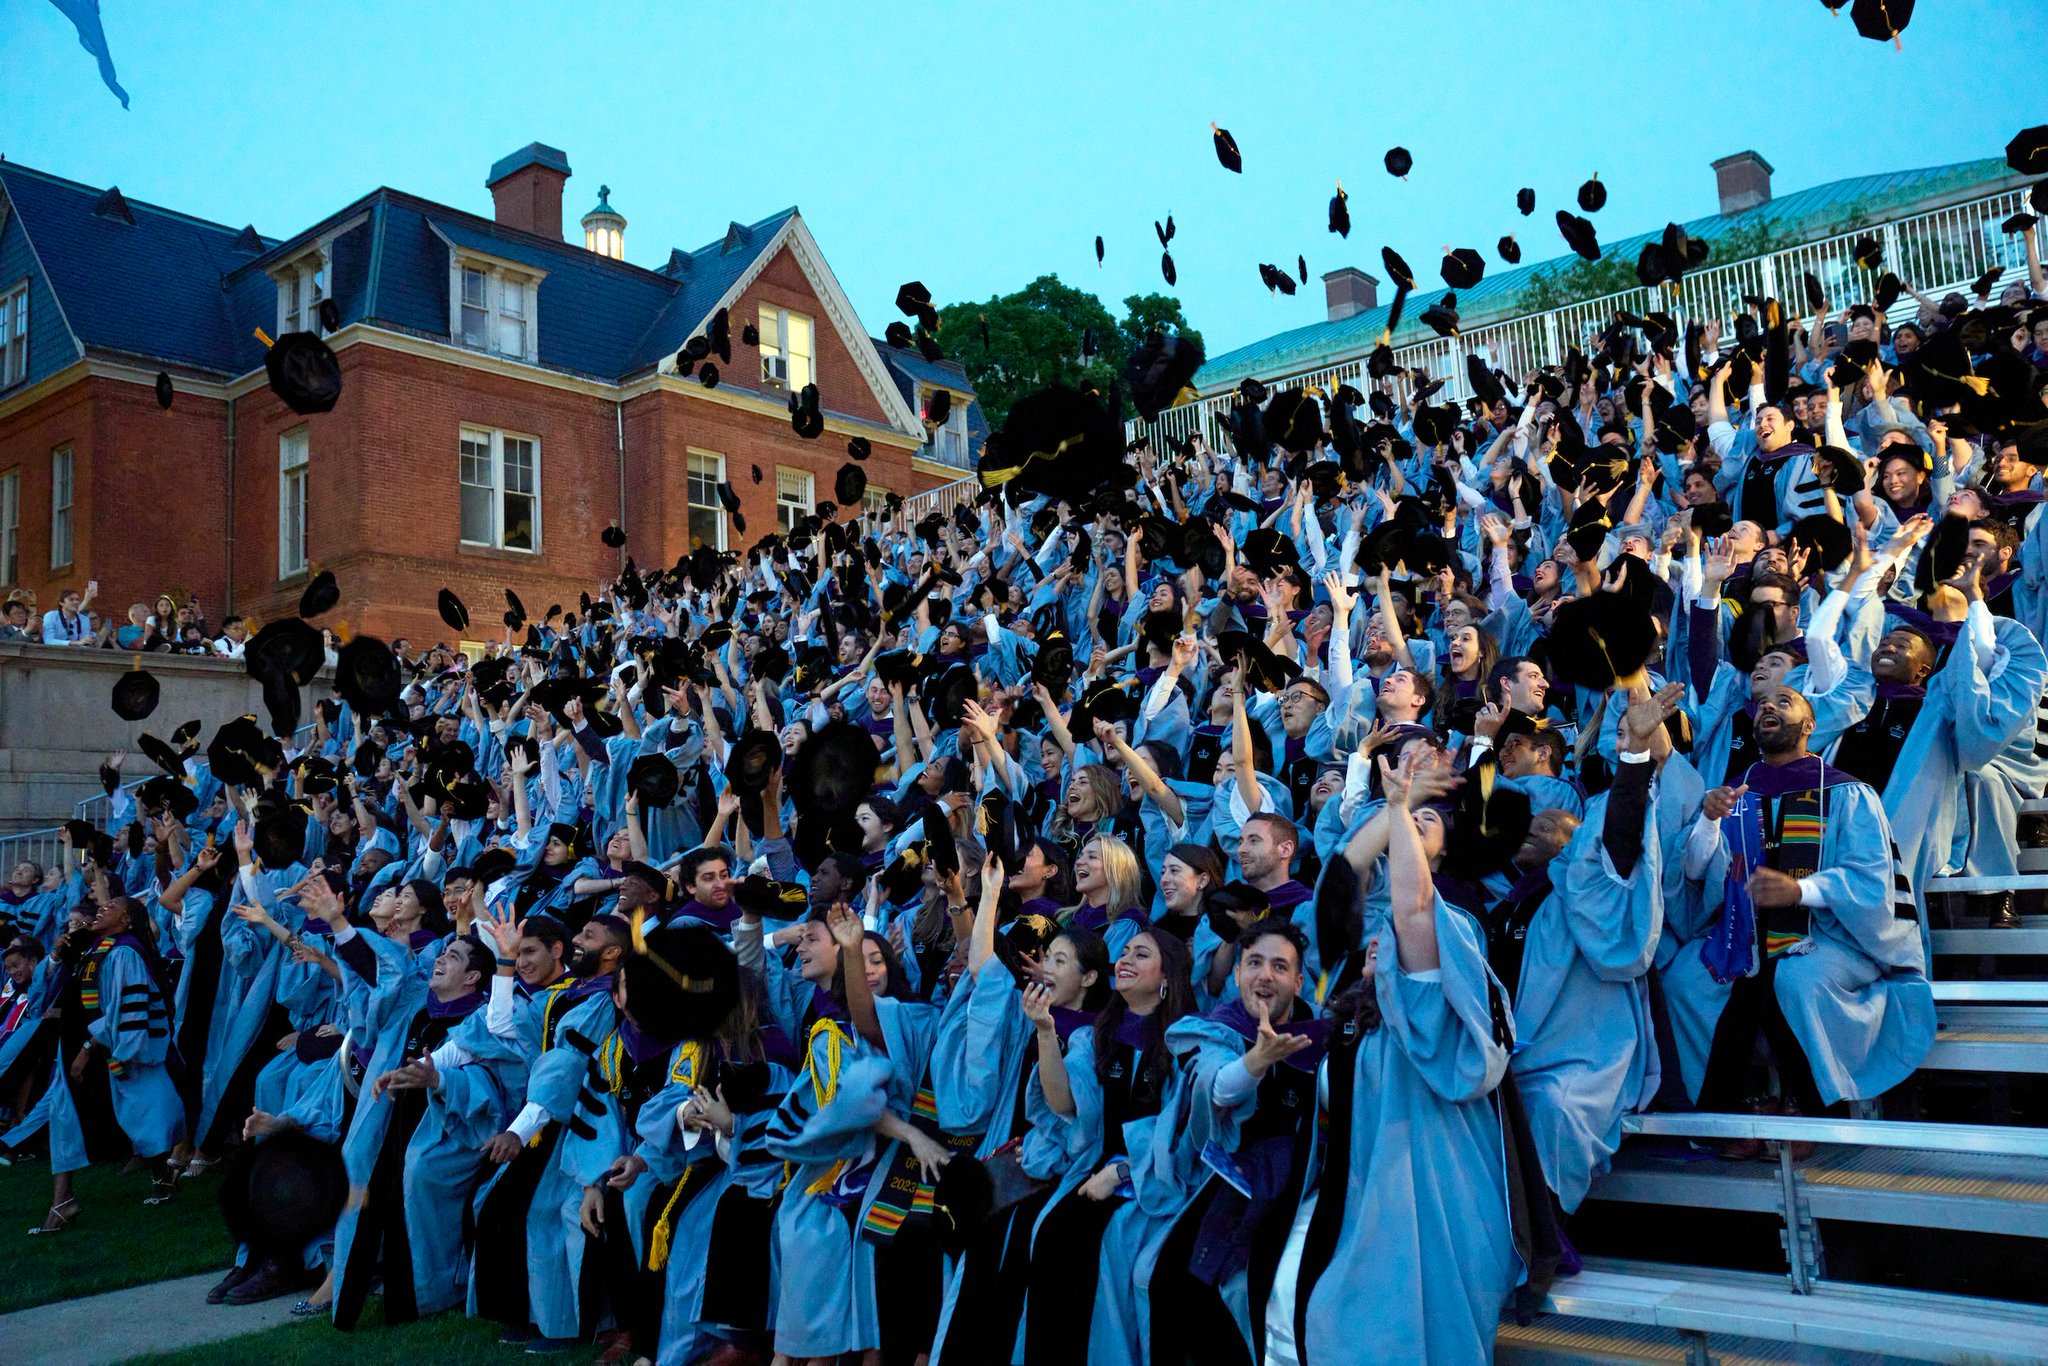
(2000, 915)
(267, 1282)
(236, 1275)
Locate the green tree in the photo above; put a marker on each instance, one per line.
(1035, 337)
(1145, 312)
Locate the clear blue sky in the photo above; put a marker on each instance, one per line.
(974, 146)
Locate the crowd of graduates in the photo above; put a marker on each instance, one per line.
(1212, 899)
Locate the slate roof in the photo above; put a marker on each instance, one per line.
(153, 287)
(1858, 198)
(173, 288)
(909, 369)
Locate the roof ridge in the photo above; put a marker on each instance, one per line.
(133, 203)
(1373, 318)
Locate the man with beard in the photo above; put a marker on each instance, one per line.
(1249, 1112)
(520, 1211)
(1836, 983)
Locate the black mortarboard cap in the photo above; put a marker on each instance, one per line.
(1510, 251)
(1601, 640)
(849, 485)
(754, 759)
(1579, 235)
(1226, 149)
(304, 373)
(833, 770)
(164, 392)
(452, 610)
(367, 676)
(281, 1192)
(1867, 251)
(1159, 369)
(1593, 195)
(654, 779)
(136, 694)
(1463, 268)
(1399, 163)
(320, 596)
(613, 536)
(1397, 269)
(287, 648)
(1442, 316)
(681, 982)
(1883, 21)
(1525, 200)
(1340, 212)
(858, 448)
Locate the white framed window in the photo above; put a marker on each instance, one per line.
(500, 480)
(301, 285)
(60, 506)
(10, 528)
(14, 335)
(707, 513)
(788, 356)
(794, 497)
(293, 449)
(946, 444)
(494, 308)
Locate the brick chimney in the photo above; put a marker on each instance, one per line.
(1349, 291)
(526, 189)
(1744, 181)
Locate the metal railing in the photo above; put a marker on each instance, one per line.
(944, 498)
(1938, 251)
(38, 846)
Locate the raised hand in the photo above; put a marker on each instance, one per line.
(1719, 802)
(1271, 1046)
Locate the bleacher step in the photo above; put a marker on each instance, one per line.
(1911, 1188)
(2012, 882)
(2023, 940)
(1834, 1318)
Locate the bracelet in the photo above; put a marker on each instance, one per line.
(506, 962)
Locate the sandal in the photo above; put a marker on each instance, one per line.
(64, 1212)
(306, 1309)
(161, 1189)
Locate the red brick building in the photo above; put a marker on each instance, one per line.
(506, 395)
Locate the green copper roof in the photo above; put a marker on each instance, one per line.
(1818, 211)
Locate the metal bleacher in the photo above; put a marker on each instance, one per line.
(1888, 1171)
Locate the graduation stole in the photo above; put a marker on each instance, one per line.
(89, 973)
(1795, 852)
(689, 1065)
(906, 1197)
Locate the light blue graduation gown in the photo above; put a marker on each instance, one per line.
(1585, 1049)
(1858, 1001)
(134, 1030)
(1425, 1258)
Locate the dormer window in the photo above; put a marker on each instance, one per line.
(301, 285)
(494, 307)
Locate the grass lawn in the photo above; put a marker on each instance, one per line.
(116, 1241)
(445, 1340)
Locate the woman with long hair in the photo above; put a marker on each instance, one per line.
(1187, 876)
(1041, 883)
(1092, 1115)
(111, 1096)
(1093, 797)
(982, 1066)
(1111, 887)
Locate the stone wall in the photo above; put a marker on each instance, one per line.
(57, 721)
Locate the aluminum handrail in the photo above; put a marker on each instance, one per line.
(1998, 1140)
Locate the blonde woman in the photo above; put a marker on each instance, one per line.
(1093, 796)
(1111, 888)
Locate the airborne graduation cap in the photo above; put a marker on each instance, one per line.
(303, 371)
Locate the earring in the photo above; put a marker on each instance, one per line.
(1162, 991)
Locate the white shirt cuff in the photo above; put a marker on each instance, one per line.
(528, 1122)
(1810, 894)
